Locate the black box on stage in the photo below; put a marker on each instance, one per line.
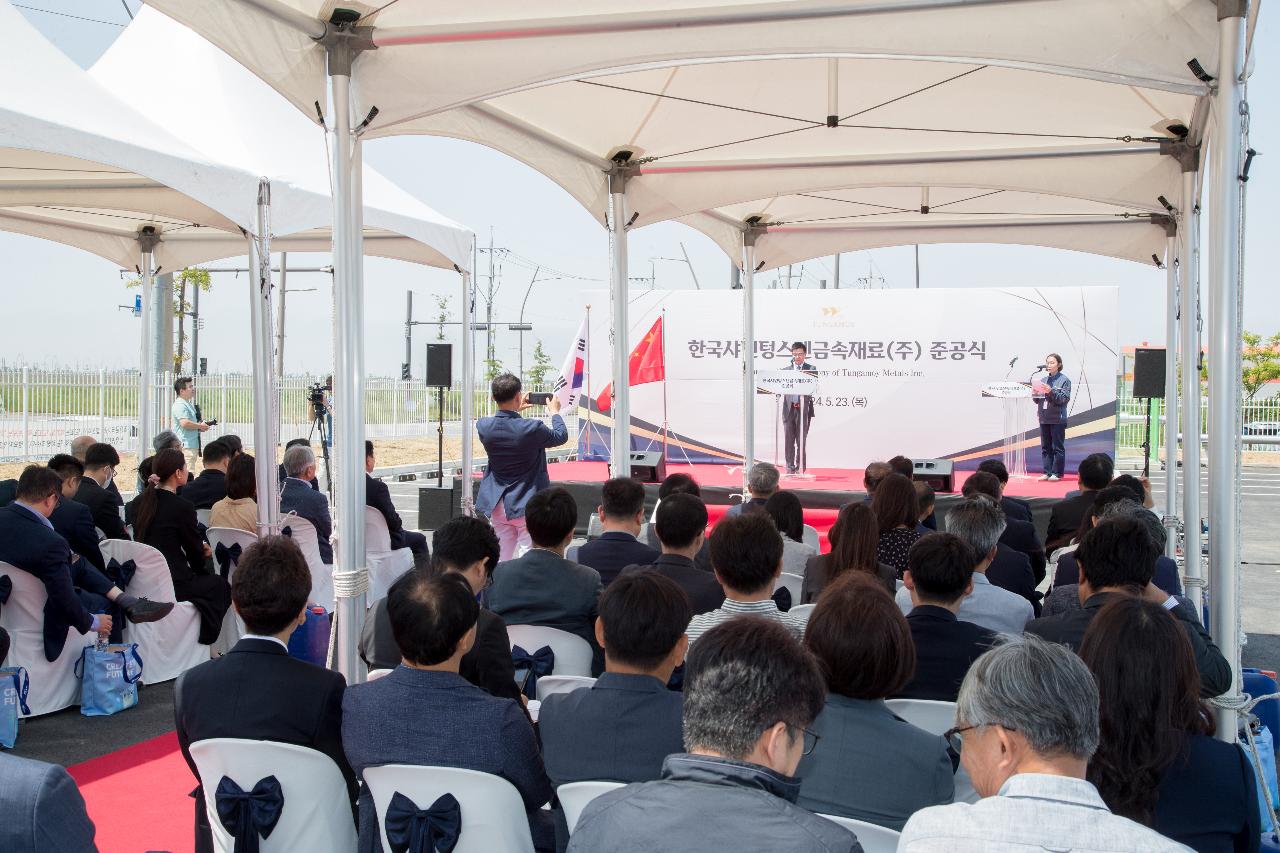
(1148, 373)
(648, 466)
(938, 473)
(439, 365)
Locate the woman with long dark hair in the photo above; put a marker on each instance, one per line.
(239, 509)
(896, 511)
(167, 523)
(1157, 761)
(853, 539)
(788, 515)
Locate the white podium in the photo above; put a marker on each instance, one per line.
(780, 383)
(1017, 419)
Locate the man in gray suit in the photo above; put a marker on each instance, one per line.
(298, 496)
(42, 809)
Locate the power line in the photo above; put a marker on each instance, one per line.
(69, 15)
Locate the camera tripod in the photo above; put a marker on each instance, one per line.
(318, 418)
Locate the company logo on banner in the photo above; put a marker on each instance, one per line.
(923, 373)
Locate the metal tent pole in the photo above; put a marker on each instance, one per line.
(1224, 354)
(620, 442)
(1189, 340)
(284, 281)
(1171, 395)
(468, 392)
(147, 240)
(748, 354)
(264, 380)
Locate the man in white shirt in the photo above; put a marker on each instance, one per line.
(186, 422)
(1027, 718)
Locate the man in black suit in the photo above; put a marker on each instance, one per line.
(1015, 508)
(80, 449)
(1018, 535)
(939, 575)
(1117, 556)
(797, 414)
(622, 515)
(682, 529)
(1095, 473)
(469, 547)
(257, 691)
(378, 496)
(96, 490)
(73, 520)
(211, 486)
(8, 491)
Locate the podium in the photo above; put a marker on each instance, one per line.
(780, 383)
(1017, 420)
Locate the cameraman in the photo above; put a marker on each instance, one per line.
(517, 450)
(186, 420)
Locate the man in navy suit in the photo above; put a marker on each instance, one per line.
(1015, 508)
(378, 496)
(682, 526)
(257, 691)
(42, 809)
(1018, 535)
(73, 520)
(211, 486)
(97, 490)
(517, 451)
(797, 414)
(424, 712)
(299, 497)
(622, 515)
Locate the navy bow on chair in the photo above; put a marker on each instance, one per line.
(540, 663)
(286, 531)
(249, 815)
(6, 589)
(227, 557)
(414, 830)
(121, 573)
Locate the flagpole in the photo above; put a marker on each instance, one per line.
(666, 428)
(587, 379)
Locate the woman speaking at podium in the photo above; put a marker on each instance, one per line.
(1051, 396)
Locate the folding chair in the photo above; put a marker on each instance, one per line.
(492, 812)
(385, 563)
(574, 797)
(54, 685)
(872, 837)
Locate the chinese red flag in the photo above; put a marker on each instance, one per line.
(645, 365)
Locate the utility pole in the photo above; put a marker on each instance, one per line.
(836, 263)
(406, 369)
(917, 266)
(284, 270)
(182, 321)
(488, 312)
(195, 331)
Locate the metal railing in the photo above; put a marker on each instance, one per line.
(1261, 420)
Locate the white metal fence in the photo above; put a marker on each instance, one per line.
(1259, 417)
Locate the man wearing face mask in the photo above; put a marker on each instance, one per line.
(1051, 396)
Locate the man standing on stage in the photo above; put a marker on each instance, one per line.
(1051, 396)
(797, 414)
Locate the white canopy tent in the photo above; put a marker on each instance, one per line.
(1103, 87)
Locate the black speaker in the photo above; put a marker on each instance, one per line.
(436, 505)
(439, 365)
(938, 473)
(648, 466)
(1148, 373)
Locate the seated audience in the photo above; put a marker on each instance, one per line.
(746, 553)
(98, 492)
(621, 513)
(542, 587)
(925, 500)
(873, 476)
(788, 515)
(1111, 502)
(902, 465)
(144, 477)
(751, 694)
(1015, 508)
(292, 443)
(1018, 535)
(398, 718)
(211, 486)
(1141, 488)
(239, 509)
(871, 765)
(80, 446)
(72, 520)
(43, 810)
(378, 496)
(257, 691)
(1157, 761)
(167, 523)
(682, 529)
(894, 505)
(939, 576)
(8, 491)
(1028, 717)
(1117, 557)
(298, 496)
(233, 443)
(674, 484)
(628, 722)
(1095, 472)
(164, 440)
(977, 522)
(853, 539)
(466, 546)
(762, 482)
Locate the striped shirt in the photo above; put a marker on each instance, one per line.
(704, 622)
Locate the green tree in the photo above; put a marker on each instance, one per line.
(541, 365)
(185, 283)
(492, 368)
(1260, 362)
(442, 304)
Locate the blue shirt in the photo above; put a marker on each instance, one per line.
(185, 410)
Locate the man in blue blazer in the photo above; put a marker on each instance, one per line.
(622, 515)
(299, 497)
(42, 809)
(517, 467)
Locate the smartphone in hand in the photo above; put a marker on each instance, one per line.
(539, 398)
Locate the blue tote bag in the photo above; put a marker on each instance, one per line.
(108, 679)
(14, 685)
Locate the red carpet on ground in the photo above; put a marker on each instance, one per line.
(137, 797)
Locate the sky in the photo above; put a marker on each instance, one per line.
(543, 227)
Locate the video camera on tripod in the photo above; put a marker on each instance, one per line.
(316, 396)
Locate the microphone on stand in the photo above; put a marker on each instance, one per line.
(1042, 367)
(1013, 361)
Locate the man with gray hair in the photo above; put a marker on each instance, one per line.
(762, 484)
(978, 523)
(751, 691)
(1027, 717)
(297, 496)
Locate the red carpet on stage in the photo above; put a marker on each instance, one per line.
(137, 797)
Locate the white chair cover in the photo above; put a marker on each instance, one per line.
(493, 816)
(54, 685)
(317, 814)
(801, 611)
(203, 515)
(549, 684)
(574, 797)
(573, 654)
(385, 563)
(375, 674)
(170, 646)
(873, 838)
(305, 536)
(792, 583)
(934, 717)
(809, 536)
(232, 624)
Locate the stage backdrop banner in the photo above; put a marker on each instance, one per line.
(898, 371)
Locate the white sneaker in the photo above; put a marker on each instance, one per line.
(1043, 477)
(1053, 478)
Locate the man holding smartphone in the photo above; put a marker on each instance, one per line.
(517, 468)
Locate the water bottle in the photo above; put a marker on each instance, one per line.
(101, 642)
